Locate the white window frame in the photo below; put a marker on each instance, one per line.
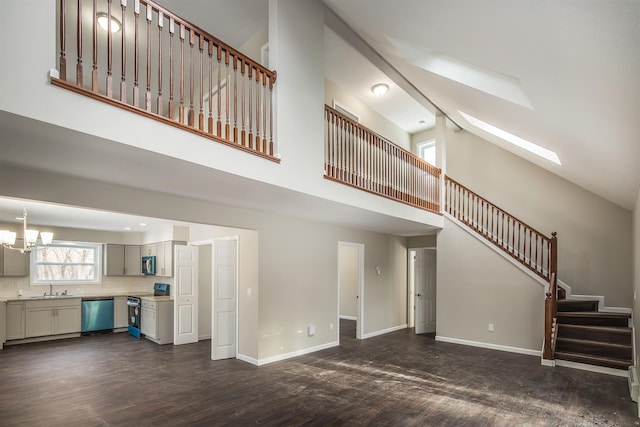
(423, 146)
(97, 264)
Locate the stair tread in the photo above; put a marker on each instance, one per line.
(592, 342)
(593, 314)
(576, 300)
(587, 357)
(610, 329)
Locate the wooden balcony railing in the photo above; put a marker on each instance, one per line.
(358, 157)
(522, 242)
(168, 69)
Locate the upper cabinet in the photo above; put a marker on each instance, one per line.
(122, 260)
(14, 263)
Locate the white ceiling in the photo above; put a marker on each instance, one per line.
(578, 64)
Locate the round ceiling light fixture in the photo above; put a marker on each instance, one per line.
(103, 21)
(379, 89)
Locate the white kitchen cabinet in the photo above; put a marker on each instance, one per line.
(132, 260)
(164, 259)
(120, 312)
(13, 263)
(15, 320)
(122, 260)
(113, 260)
(149, 250)
(156, 319)
(52, 317)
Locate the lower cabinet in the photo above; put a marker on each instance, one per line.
(120, 313)
(15, 320)
(156, 320)
(59, 316)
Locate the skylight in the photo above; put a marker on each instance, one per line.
(494, 83)
(513, 139)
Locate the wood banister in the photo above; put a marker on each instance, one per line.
(208, 71)
(359, 157)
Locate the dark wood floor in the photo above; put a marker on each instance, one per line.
(394, 379)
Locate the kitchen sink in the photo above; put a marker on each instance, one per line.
(52, 296)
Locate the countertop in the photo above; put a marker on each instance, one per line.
(157, 298)
(85, 296)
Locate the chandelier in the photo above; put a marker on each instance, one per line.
(30, 237)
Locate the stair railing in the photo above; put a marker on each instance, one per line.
(359, 157)
(531, 248)
(152, 62)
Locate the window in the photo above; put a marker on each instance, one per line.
(427, 151)
(66, 262)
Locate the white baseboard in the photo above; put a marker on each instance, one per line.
(348, 317)
(498, 347)
(593, 368)
(296, 353)
(545, 362)
(247, 359)
(384, 331)
(204, 337)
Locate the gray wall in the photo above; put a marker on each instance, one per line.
(204, 291)
(636, 265)
(348, 271)
(594, 255)
(427, 241)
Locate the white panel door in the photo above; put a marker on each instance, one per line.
(185, 293)
(225, 271)
(425, 291)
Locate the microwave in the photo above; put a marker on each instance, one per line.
(148, 265)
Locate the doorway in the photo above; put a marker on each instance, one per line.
(351, 286)
(422, 290)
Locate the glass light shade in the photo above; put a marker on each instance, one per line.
(379, 89)
(103, 21)
(7, 237)
(31, 236)
(47, 237)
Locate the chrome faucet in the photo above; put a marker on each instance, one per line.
(50, 289)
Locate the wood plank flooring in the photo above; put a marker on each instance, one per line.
(397, 379)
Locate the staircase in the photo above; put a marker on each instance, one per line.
(586, 335)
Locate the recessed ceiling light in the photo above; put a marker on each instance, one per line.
(379, 89)
(103, 21)
(513, 139)
(128, 228)
(144, 224)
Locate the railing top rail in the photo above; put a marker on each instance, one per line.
(426, 165)
(252, 63)
(544, 236)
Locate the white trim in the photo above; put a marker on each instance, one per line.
(498, 347)
(341, 108)
(384, 331)
(593, 368)
(545, 362)
(247, 359)
(348, 317)
(296, 353)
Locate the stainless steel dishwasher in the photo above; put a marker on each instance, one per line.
(97, 315)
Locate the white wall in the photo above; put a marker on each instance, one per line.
(594, 235)
(417, 138)
(204, 291)
(348, 266)
(368, 117)
(476, 286)
(636, 269)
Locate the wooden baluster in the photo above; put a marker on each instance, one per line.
(201, 85)
(535, 252)
(147, 98)
(159, 107)
(123, 54)
(79, 46)
(235, 98)
(94, 71)
(250, 77)
(210, 118)
(192, 112)
(181, 107)
(332, 141)
(257, 112)
(172, 105)
(226, 94)
(109, 82)
(264, 113)
(271, 145)
(136, 54)
(63, 40)
(530, 259)
(518, 243)
(243, 132)
(219, 124)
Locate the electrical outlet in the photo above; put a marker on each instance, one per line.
(331, 326)
(490, 327)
